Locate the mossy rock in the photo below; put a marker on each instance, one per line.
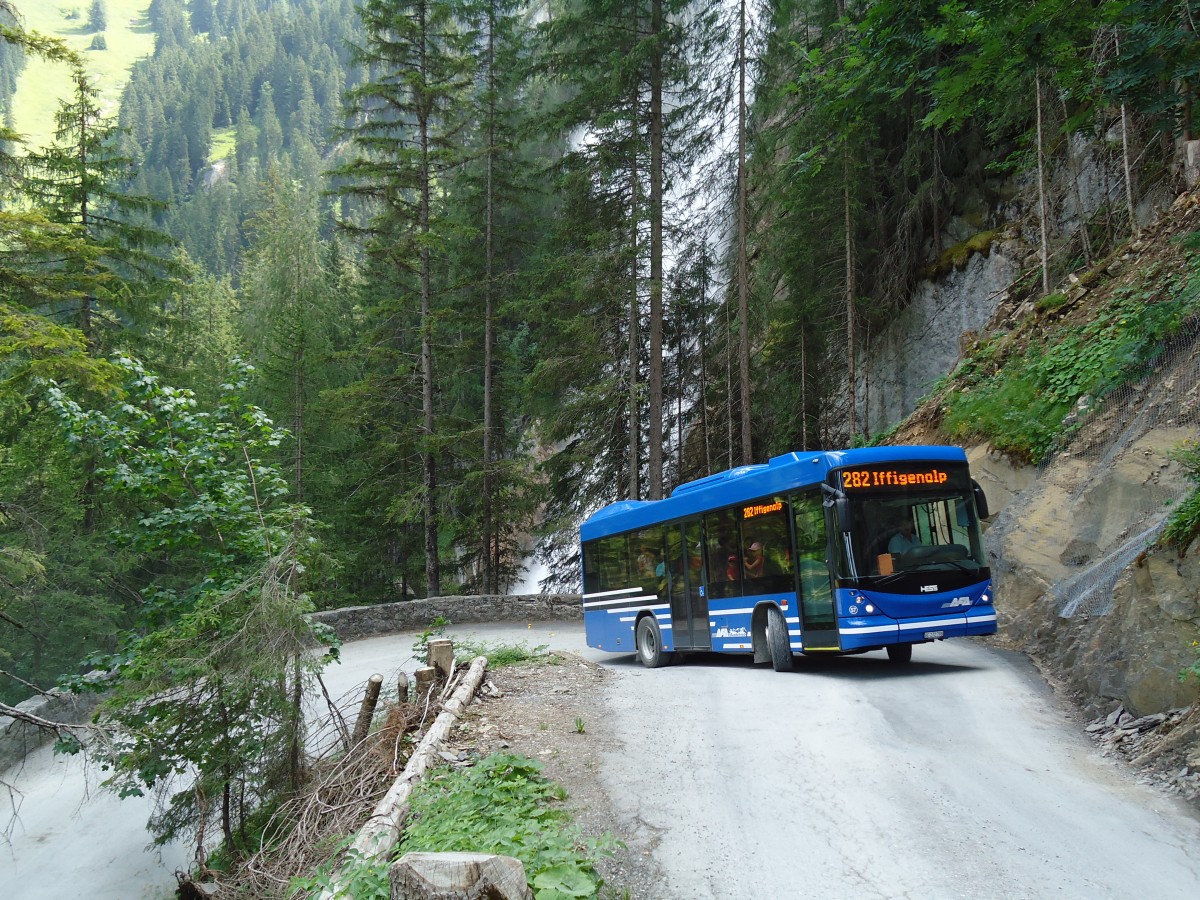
(955, 258)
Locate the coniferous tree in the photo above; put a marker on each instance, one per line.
(287, 313)
(97, 16)
(408, 128)
(77, 183)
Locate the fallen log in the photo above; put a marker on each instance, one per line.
(382, 830)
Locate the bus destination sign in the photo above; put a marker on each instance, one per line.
(882, 478)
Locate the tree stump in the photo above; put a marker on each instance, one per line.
(366, 711)
(441, 656)
(426, 679)
(458, 876)
(402, 686)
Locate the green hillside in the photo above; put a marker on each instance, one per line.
(44, 83)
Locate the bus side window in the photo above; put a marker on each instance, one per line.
(591, 567)
(767, 546)
(816, 595)
(613, 563)
(724, 554)
(649, 562)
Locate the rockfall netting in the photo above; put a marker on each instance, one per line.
(1104, 428)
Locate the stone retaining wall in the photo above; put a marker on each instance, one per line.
(354, 622)
(351, 623)
(18, 738)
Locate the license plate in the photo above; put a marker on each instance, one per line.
(930, 635)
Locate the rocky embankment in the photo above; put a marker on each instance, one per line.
(1082, 586)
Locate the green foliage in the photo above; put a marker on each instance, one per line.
(500, 655)
(505, 805)
(1192, 671)
(1183, 525)
(1022, 404)
(434, 629)
(361, 877)
(204, 700)
(1009, 410)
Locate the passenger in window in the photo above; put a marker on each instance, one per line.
(756, 563)
(646, 562)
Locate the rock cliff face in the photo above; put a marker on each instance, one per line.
(1079, 583)
(925, 340)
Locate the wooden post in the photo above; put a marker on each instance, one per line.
(441, 656)
(426, 678)
(367, 711)
(402, 686)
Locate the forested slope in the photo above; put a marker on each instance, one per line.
(495, 265)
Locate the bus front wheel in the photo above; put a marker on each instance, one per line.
(778, 641)
(899, 653)
(649, 644)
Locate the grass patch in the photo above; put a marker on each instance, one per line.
(43, 84)
(224, 142)
(1184, 524)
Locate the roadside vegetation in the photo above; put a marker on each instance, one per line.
(1025, 390)
(502, 805)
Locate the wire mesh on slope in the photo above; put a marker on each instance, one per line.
(1104, 428)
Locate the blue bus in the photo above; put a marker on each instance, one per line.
(812, 553)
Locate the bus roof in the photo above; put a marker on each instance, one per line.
(783, 473)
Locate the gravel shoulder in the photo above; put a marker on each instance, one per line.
(555, 712)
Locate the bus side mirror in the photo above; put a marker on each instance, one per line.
(981, 506)
(845, 513)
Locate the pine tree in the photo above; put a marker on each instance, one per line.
(408, 130)
(76, 183)
(288, 294)
(97, 16)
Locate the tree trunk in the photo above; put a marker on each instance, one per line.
(742, 273)
(1041, 169)
(433, 586)
(490, 574)
(850, 346)
(655, 450)
(635, 337)
(1073, 167)
(1127, 166)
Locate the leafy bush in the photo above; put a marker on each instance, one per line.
(1184, 523)
(504, 805)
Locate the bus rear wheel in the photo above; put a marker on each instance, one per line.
(899, 653)
(649, 644)
(778, 641)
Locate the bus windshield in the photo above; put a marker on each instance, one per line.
(909, 519)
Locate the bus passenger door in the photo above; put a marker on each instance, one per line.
(689, 604)
(818, 614)
(693, 539)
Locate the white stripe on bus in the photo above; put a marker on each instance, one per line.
(874, 629)
(632, 590)
(627, 601)
(624, 609)
(729, 612)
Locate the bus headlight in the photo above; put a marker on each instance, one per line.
(870, 609)
(984, 599)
